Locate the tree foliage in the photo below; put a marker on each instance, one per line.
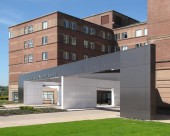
(3, 90)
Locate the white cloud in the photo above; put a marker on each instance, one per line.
(9, 16)
(6, 21)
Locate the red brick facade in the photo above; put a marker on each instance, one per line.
(55, 46)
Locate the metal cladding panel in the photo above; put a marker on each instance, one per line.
(133, 57)
(92, 65)
(137, 83)
(136, 77)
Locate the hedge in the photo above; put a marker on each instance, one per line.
(3, 97)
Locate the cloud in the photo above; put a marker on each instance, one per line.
(9, 16)
(6, 21)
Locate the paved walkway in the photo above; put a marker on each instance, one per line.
(32, 119)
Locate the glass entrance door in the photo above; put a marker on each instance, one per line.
(104, 97)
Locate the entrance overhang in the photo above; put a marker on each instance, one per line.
(137, 78)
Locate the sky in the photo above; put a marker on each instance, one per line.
(16, 11)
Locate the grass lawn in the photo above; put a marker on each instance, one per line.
(106, 127)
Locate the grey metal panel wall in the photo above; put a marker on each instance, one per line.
(137, 83)
(92, 65)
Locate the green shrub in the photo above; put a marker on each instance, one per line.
(27, 108)
(3, 97)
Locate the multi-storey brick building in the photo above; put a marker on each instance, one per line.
(57, 38)
(53, 40)
(111, 19)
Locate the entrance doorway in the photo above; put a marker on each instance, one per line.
(104, 97)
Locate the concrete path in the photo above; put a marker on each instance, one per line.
(32, 119)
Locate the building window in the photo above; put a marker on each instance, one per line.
(73, 56)
(138, 45)
(139, 33)
(92, 31)
(124, 48)
(25, 45)
(85, 29)
(92, 45)
(44, 40)
(26, 30)
(124, 35)
(73, 25)
(30, 58)
(86, 44)
(116, 49)
(44, 56)
(85, 57)
(73, 41)
(103, 34)
(109, 49)
(145, 31)
(109, 37)
(30, 44)
(117, 36)
(65, 55)
(10, 35)
(66, 23)
(48, 96)
(145, 44)
(66, 39)
(25, 59)
(44, 25)
(103, 48)
(30, 29)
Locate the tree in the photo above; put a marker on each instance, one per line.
(3, 90)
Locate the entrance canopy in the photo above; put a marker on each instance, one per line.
(137, 78)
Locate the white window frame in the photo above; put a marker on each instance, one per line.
(124, 35)
(139, 33)
(73, 41)
(85, 57)
(73, 25)
(86, 29)
(25, 44)
(86, 44)
(44, 25)
(65, 55)
(30, 29)
(92, 31)
(66, 39)
(124, 48)
(44, 40)
(30, 58)
(44, 56)
(66, 24)
(103, 48)
(30, 43)
(92, 45)
(117, 36)
(73, 56)
(25, 59)
(103, 34)
(145, 31)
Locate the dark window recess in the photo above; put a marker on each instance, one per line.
(124, 35)
(118, 20)
(104, 19)
(117, 36)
